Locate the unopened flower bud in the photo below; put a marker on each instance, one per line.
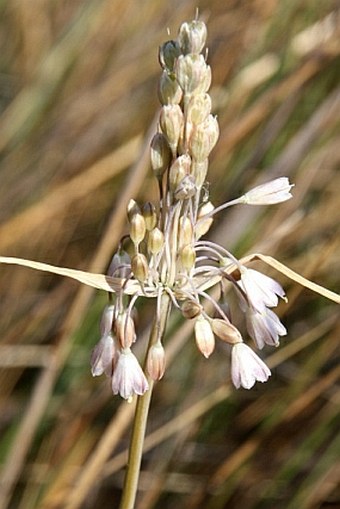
(150, 215)
(155, 241)
(139, 267)
(137, 228)
(193, 74)
(187, 257)
(168, 53)
(204, 336)
(132, 209)
(186, 188)
(178, 170)
(156, 361)
(203, 138)
(169, 90)
(203, 224)
(192, 37)
(171, 121)
(199, 108)
(125, 330)
(190, 309)
(199, 170)
(226, 331)
(185, 232)
(160, 154)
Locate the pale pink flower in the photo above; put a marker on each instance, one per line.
(128, 377)
(247, 367)
(106, 320)
(275, 191)
(261, 290)
(102, 356)
(264, 327)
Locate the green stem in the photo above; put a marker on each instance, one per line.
(141, 416)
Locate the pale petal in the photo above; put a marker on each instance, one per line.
(106, 321)
(247, 367)
(275, 191)
(261, 290)
(128, 377)
(264, 327)
(102, 356)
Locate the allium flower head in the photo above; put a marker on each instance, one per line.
(164, 257)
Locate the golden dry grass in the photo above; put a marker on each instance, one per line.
(78, 92)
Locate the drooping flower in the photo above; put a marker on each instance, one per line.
(102, 356)
(264, 327)
(261, 290)
(106, 320)
(246, 367)
(128, 377)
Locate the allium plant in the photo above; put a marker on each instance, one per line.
(164, 257)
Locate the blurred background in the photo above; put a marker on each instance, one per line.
(78, 101)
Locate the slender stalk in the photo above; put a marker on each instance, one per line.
(141, 415)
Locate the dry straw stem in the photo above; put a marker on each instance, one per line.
(109, 284)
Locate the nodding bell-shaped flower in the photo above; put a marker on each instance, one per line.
(102, 356)
(128, 377)
(246, 367)
(275, 191)
(264, 327)
(107, 321)
(261, 290)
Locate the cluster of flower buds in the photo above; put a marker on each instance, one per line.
(163, 253)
